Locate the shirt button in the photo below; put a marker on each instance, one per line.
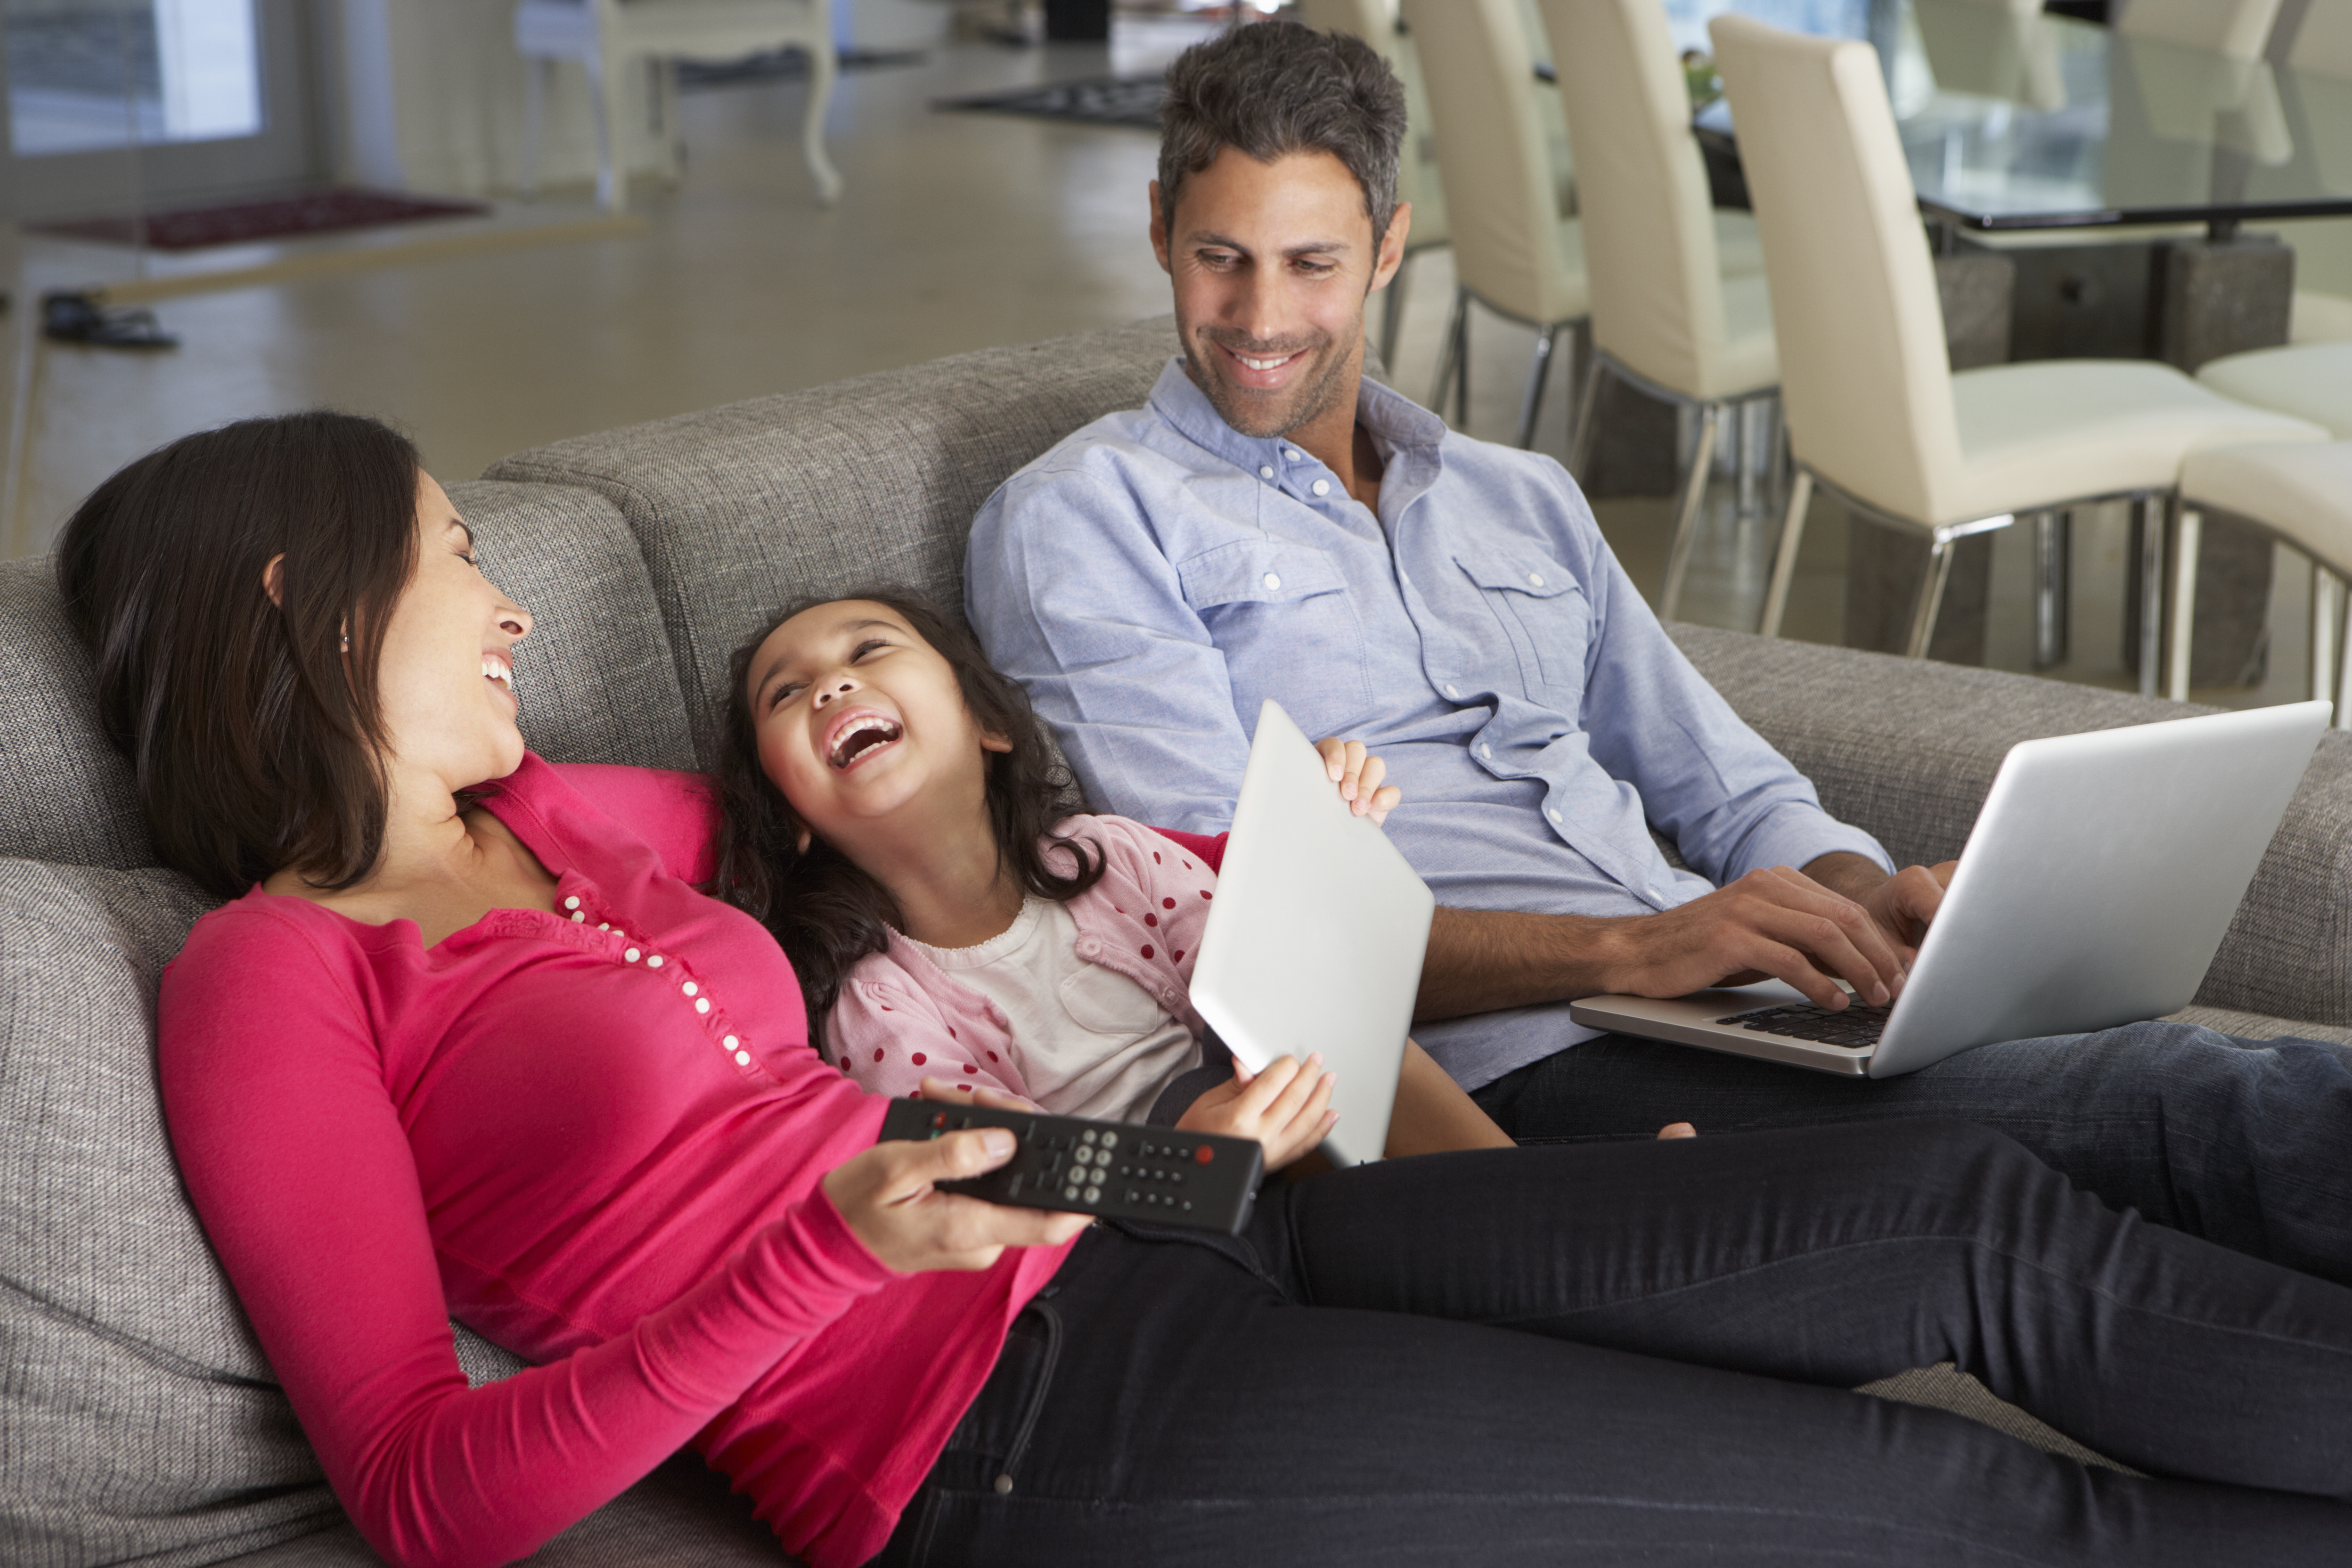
(731, 1042)
(690, 988)
(1534, 579)
(604, 925)
(1454, 691)
(1486, 751)
(1274, 579)
(573, 902)
(655, 962)
(579, 916)
(1265, 471)
(702, 1003)
(631, 955)
(743, 1058)
(1321, 486)
(1553, 812)
(1292, 456)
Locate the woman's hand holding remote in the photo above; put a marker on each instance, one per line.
(887, 1194)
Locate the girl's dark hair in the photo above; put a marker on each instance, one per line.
(253, 737)
(825, 912)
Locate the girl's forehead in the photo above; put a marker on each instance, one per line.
(821, 629)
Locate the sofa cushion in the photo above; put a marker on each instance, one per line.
(142, 1420)
(741, 509)
(595, 679)
(66, 793)
(1906, 749)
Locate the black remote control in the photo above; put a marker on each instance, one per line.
(1119, 1170)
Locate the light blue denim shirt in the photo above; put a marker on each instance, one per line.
(1156, 574)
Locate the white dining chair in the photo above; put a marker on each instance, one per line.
(1664, 318)
(2236, 28)
(2300, 494)
(1374, 21)
(2309, 381)
(607, 38)
(1513, 253)
(1875, 413)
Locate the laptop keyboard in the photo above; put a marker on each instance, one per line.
(1855, 1027)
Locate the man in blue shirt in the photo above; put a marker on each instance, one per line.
(1273, 524)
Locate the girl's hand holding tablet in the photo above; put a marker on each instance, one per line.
(1358, 774)
(1286, 1108)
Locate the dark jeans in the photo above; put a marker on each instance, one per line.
(2247, 1144)
(1642, 1351)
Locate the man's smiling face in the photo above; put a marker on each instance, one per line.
(1270, 263)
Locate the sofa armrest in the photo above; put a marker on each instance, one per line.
(1907, 751)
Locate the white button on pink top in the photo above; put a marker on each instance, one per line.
(690, 988)
(655, 962)
(579, 916)
(573, 902)
(631, 955)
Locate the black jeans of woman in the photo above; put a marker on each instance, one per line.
(1643, 1352)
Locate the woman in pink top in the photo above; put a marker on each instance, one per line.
(466, 1040)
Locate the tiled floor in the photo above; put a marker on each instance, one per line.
(957, 231)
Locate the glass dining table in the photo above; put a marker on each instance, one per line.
(2043, 121)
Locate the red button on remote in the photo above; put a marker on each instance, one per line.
(1203, 1155)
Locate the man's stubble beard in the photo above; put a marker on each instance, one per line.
(1309, 402)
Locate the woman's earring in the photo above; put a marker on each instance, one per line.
(347, 642)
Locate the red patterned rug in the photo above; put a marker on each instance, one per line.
(318, 212)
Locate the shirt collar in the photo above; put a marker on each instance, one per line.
(1401, 425)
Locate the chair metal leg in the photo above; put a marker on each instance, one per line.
(1751, 441)
(1455, 352)
(1931, 598)
(2327, 608)
(2053, 535)
(605, 94)
(1588, 408)
(1392, 314)
(1784, 558)
(1776, 430)
(534, 118)
(2188, 529)
(2151, 520)
(1710, 415)
(823, 67)
(664, 117)
(1537, 374)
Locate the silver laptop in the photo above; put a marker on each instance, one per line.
(2094, 889)
(1316, 936)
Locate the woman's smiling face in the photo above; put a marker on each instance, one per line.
(857, 716)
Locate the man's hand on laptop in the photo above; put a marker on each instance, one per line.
(1902, 904)
(1358, 774)
(1841, 919)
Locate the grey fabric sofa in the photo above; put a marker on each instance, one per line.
(138, 1419)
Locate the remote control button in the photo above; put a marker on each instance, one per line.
(1094, 1195)
(1204, 1154)
(1087, 1136)
(1186, 1206)
(1111, 1139)
(1071, 1192)
(1127, 1170)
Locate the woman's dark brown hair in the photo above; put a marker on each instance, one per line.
(255, 736)
(825, 912)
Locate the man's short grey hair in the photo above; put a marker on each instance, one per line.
(1272, 89)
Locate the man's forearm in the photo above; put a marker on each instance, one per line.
(1480, 960)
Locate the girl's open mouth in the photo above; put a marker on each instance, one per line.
(861, 737)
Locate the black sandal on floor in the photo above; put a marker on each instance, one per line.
(78, 318)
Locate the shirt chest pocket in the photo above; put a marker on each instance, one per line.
(1107, 1002)
(1282, 615)
(1542, 611)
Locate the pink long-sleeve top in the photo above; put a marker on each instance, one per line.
(901, 1018)
(596, 1136)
